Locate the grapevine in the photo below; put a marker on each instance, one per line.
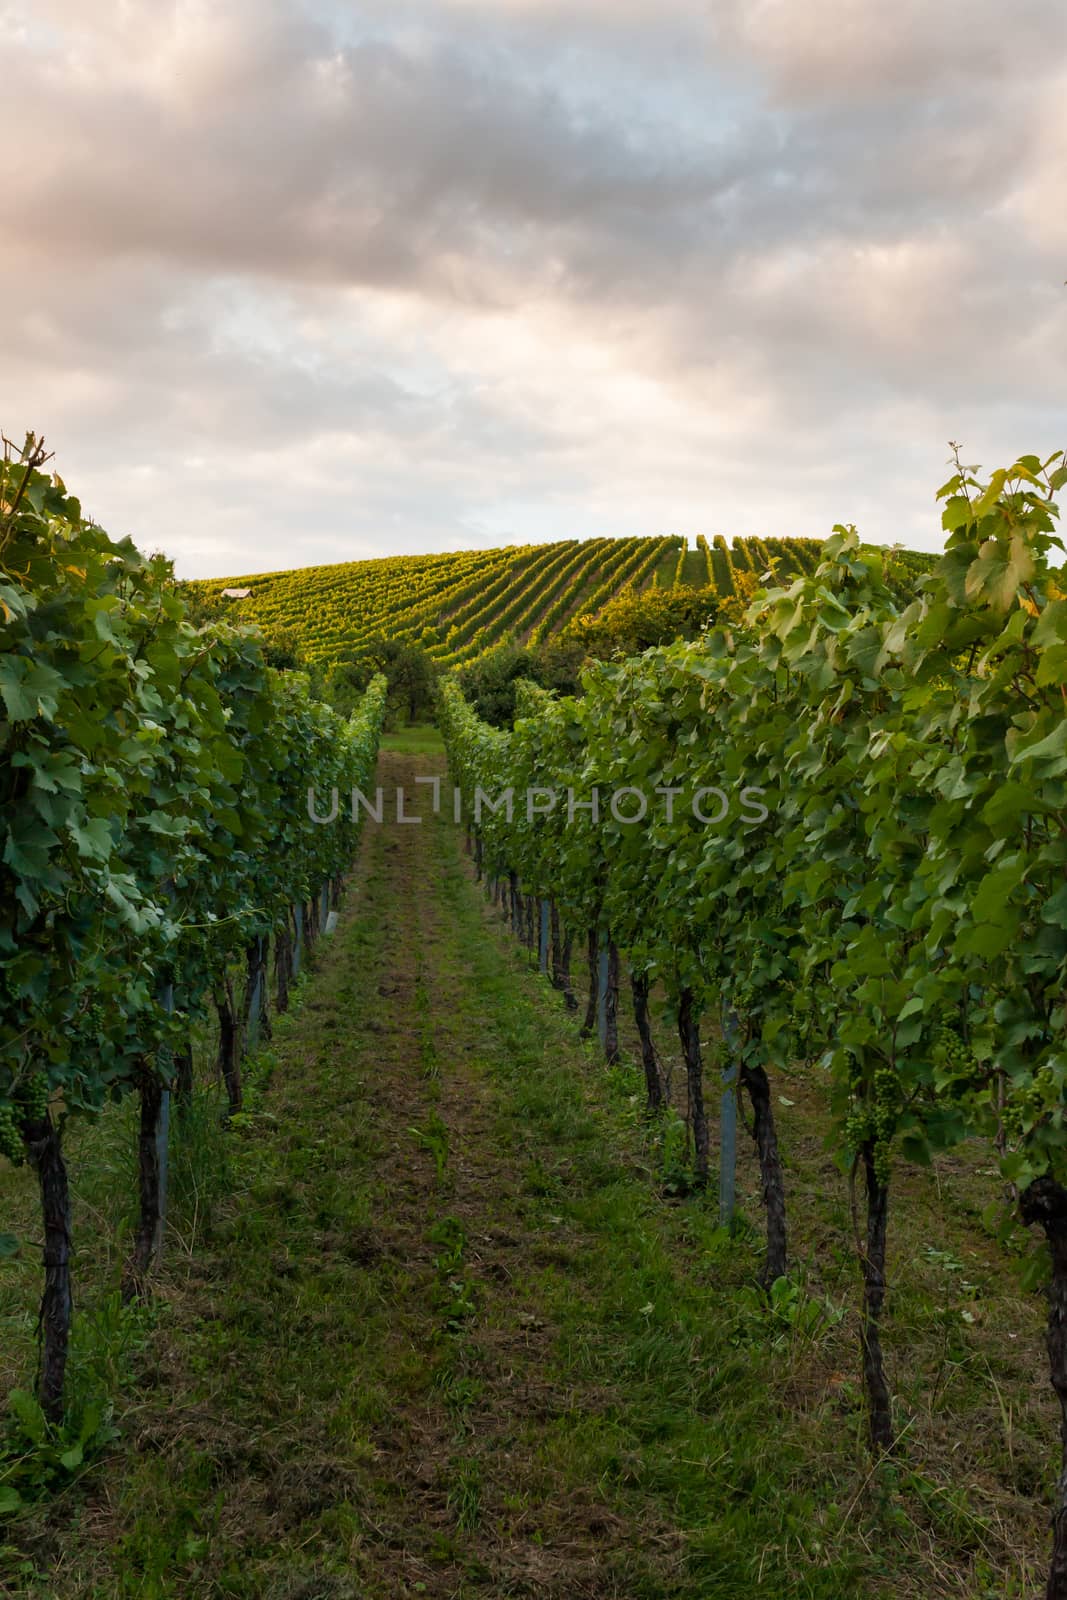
(901, 911)
(153, 814)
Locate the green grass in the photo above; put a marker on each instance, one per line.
(695, 571)
(663, 577)
(417, 739)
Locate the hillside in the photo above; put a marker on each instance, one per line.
(461, 604)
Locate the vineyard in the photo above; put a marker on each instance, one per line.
(459, 606)
(628, 1160)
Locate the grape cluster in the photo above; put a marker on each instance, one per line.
(10, 1133)
(30, 1104)
(34, 1098)
(743, 996)
(875, 1121)
(1029, 1103)
(857, 1129)
(886, 1096)
(949, 1052)
(803, 1015)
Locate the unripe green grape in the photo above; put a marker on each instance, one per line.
(33, 1098)
(950, 1050)
(857, 1127)
(10, 1134)
(886, 1087)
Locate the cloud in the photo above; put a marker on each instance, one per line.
(851, 50)
(291, 282)
(385, 162)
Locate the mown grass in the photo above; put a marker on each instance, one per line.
(491, 1356)
(416, 739)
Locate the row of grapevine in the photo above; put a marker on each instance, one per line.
(339, 608)
(474, 620)
(644, 573)
(721, 569)
(662, 576)
(347, 621)
(430, 617)
(854, 854)
(786, 558)
(566, 593)
(904, 568)
(619, 560)
(629, 557)
(408, 616)
(155, 830)
(515, 610)
(551, 577)
(790, 558)
(805, 554)
(580, 595)
(346, 598)
(619, 564)
(764, 555)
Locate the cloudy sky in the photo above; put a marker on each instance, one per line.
(294, 282)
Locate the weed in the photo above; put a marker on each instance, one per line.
(434, 1138)
(465, 1495)
(674, 1154)
(107, 1337)
(784, 1314)
(38, 1457)
(449, 1234)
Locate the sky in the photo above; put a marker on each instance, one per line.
(286, 283)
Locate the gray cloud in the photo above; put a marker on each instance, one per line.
(292, 283)
(853, 51)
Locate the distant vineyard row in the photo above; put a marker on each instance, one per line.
(459, 605)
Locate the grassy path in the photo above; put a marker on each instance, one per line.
(445, 1337)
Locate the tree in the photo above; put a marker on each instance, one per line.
(407, 669)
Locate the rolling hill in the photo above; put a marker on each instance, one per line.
(459, 605)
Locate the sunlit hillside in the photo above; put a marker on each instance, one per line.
(461, 604)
